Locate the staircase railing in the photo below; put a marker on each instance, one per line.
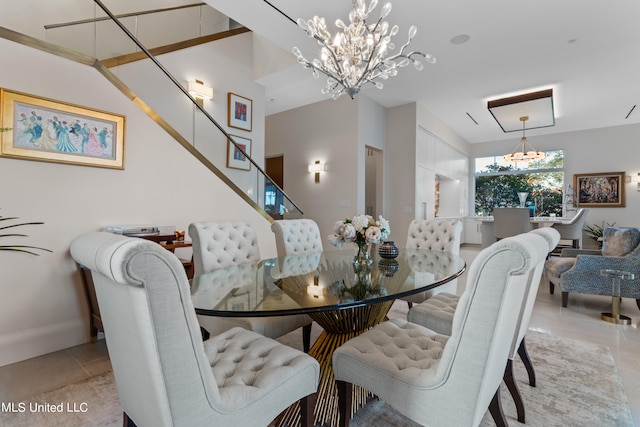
(165, 100)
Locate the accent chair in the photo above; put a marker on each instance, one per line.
(578, 270)
(165, 374)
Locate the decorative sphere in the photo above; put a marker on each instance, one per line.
(388, 250)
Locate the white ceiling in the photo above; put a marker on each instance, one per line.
(588, 51)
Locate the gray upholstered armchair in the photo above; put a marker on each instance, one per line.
(579, 270)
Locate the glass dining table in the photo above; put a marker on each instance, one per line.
(343, 298)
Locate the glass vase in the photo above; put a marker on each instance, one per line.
(523, 199)
(363, 256)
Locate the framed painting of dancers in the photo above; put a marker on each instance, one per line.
(43, 129)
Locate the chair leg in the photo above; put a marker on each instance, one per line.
(307, 406)
(410, 304)
(344, 402)
(126, 421)
(638, 303)
(524, 356)
(205, 334)
(576, 244)
(552, 287)
(565, 298)
(510, 381)
(306, 337)
(495, 408)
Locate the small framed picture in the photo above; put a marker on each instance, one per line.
(240, 112)
(54, 131)
(600, 190)
(236, 159)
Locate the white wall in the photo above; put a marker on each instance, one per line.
(325, 131)
(43, 307)
(401, 170)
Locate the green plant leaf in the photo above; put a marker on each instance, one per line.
(19, 248)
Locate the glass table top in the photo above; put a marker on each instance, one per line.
(319, 281)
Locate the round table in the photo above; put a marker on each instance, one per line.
(343, 299)
(617, 276)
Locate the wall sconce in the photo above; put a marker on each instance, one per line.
(316, 168)
(634, 178)
(199, 91)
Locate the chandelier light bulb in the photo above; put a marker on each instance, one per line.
(357, 54)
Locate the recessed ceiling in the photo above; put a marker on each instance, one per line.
(536, 106)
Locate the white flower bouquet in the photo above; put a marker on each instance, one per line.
(361, 229)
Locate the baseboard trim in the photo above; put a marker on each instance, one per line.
(30, 343)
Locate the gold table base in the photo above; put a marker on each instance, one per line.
(615, 316)
(339, 327)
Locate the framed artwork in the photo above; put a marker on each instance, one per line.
(235, 157)
(55, 131)
(240, 112)
(599, 190)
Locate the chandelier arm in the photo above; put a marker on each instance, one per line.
(326, 73)
(368, 69)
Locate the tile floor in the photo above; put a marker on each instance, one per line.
(580, 320)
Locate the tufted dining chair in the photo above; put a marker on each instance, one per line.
(165, 374)
(295, 236)
(436, 379)
(437, 315)
(509, 222)
(438, 235)
(217, 245)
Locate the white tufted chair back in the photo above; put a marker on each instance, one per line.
(222, 244)
(420, 373)
(296, 236)
(165, 374)
(438, 235)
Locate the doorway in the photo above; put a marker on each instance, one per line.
(373, 181)
(273, 198)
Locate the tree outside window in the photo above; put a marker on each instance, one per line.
(498, 184)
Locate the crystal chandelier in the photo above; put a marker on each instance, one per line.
(357, 54)
(524, 155)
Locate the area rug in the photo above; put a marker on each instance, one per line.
(578, 384)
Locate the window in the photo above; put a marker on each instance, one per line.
(498, 182)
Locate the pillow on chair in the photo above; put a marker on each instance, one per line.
(620, 241)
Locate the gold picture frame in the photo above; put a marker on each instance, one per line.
(236, 159)
(239, 112)
(54, 131)
(599, 190)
